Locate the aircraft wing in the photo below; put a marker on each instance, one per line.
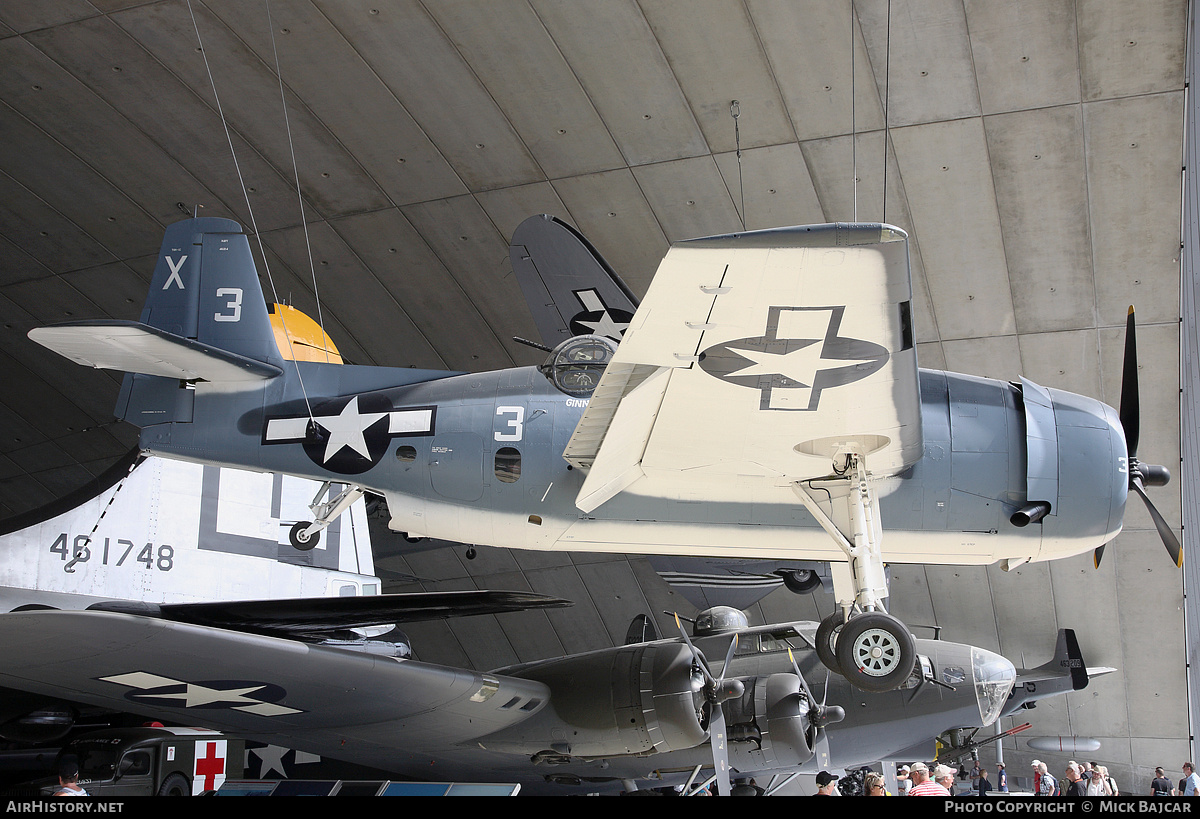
(314, 617)
(758, 357)
(569, 287)
(346, 704)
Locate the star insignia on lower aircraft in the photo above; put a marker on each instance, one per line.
(239, 695)
(801, 350)
(350, 435)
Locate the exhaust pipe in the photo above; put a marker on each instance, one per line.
(1030, 513)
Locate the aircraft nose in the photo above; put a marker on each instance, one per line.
(993, 677)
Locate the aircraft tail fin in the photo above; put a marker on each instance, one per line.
(1066, 671)
(204, 320)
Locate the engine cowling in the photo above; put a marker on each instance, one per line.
(636, 699)
(768, 726)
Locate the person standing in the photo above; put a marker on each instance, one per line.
(983, 786)
(1001, 778)
(922, 785)
(902, 781)
(68, 778)
(1191, 783)
(1077, 786)
(1161, 786)
(825, 784)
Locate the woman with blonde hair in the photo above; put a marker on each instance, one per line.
(873, 785)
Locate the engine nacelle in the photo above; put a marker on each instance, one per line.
(635, 699)
(768, 726)
(45, 724)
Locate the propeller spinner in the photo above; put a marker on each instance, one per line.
(1140, 475)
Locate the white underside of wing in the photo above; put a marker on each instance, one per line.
(758, 357)
(134, 348)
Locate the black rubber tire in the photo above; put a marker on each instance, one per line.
(294, 537)
(827, 637)
(175, 785)
(876, 652)
(800, 581)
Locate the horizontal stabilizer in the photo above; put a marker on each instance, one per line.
(133, 347)
(316, 617)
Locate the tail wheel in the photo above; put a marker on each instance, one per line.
(301, 541)
(876, 652)
(828, 633)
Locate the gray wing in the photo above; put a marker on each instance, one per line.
(328, 701)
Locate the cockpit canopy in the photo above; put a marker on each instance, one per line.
(575, 366)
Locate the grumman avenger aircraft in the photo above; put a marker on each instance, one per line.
(764, 402)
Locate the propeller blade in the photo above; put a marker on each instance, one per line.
(695, 653)
(1098, 555)
(1164, 530)
(1130, 411)
(719, 740)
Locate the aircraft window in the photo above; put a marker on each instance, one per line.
(508, 464)
(406, 453)
(576, 365)
(370, 589)
(347, 590)
(778, 642)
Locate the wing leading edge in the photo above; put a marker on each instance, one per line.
(755, 360)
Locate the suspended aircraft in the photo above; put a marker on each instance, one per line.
(764, 401)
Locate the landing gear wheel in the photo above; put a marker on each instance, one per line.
(175, 785)
(876, 652)
(800, 581)
(827, 638)
(470, 553)
(298, 539)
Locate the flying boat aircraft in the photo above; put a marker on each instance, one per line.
(763, 402)
(650, 713)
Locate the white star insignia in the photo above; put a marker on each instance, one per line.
(347, 428)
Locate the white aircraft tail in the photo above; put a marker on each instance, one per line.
(175, 532)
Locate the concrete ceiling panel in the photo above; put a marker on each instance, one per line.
(689, 197)
(1042, 197)
(714, 49)
(422, 287)
(66, 184)
(1134, 150)
(611, 210)
(460, 233)
(932, 77)
(531, 83)
(808, 46)
(952, 202)
(1126, 49)
(615, 594)
(370, 124)
(249, 91)
(17, 265)
(960, 592)
(776, 177)
(350, 292)
(48, 240)
(989, 357)
(24, 16)
(1025, 54)
(509, 207)
(620, 64)
(128, 158)
(1069, 360)
(183, 121)
(410, 54)
(1022, 603)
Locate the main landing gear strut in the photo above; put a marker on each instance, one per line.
(860, 641)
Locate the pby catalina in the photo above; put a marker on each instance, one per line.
(764, 401)
(650, 712)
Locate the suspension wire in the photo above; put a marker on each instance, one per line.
(853, 122)
(887, 95)
(250, 208)
(735, 111)
(299, 197)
